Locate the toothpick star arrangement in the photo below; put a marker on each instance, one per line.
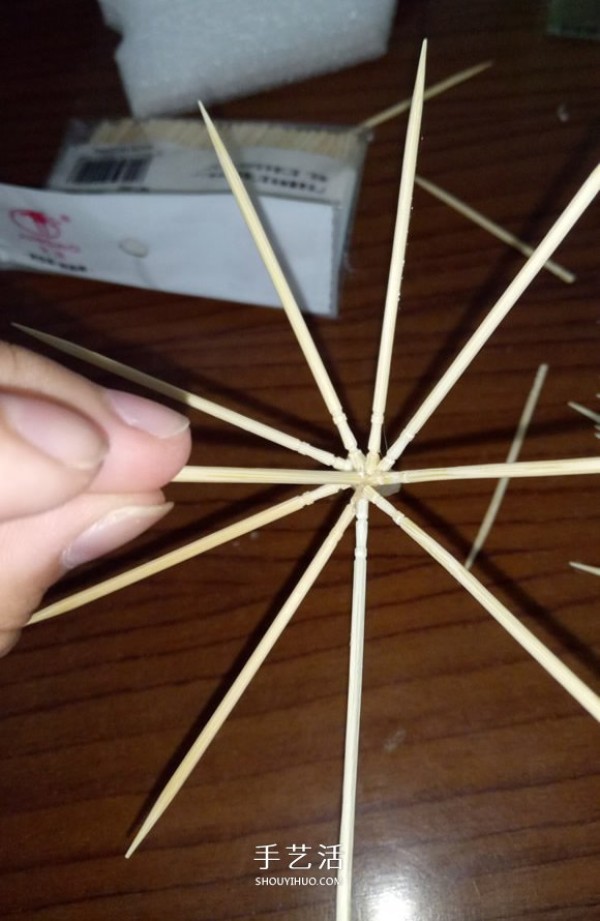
(363, 474)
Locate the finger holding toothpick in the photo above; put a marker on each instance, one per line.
(81, 474)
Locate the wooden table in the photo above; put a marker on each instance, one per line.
(478, 793)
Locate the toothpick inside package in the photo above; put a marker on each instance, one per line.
(145, 203)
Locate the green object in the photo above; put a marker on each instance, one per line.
(574, 18)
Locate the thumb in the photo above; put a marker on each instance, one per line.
(48, 453)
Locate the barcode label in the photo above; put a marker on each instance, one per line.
(100, 170)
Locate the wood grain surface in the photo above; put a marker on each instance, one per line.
(479, 778)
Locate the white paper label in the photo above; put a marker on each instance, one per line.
(187, 243)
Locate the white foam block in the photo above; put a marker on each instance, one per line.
(176, 51)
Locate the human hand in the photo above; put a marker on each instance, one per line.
(80, 474)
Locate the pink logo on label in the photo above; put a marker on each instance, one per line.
(38, 227)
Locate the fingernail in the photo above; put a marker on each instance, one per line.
(111, 531)
(55, 430)
(147, 415)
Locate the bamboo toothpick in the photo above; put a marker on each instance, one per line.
(573, 466)
(487, 224)
(589, 413)
(583, 567)
(355, 675)
(189, 399)
(431, 91)
(511, 457)
(384, 360)
(550, 662)
(174, 557)
(297, 322)
(524, 277)
(244, 678)
(192, 474)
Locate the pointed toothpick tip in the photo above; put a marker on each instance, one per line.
(205, 116)
(394, 286)
(246, 675)
(136, 842)
(37, 333)
(385, 115)
(584, 411)
(585, 567)
(210, 125)
(33, 332)
(512, 456)
(143, 831)
(282, 286)
(420, 78)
